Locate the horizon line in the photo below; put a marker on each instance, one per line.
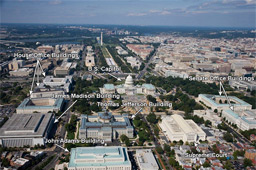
(233, 27)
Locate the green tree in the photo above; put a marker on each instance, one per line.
(159, 150)
(125, 139)
(151, 99)
(228, 165)
(151, 118)
(181, 142)
(247, 162)
(206, 164)
(5, 162)
(167, 148)
(228, 137)
(207, 123)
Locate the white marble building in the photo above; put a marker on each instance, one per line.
(128, 88)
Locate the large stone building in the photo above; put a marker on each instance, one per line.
(245, 85)
(58, 83)
(220, 102)
(46, 93)
(99, 158)
(21, 72)
(128, 88)
(16, 64)
(105, 126)
(26, 130)
(40, 105)
(176, 128)
(244, 120)
(65, 69)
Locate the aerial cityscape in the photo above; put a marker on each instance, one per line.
(128, 85)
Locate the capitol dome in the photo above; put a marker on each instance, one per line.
(129, 81)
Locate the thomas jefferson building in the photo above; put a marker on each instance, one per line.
(128, 88)
(105, 126)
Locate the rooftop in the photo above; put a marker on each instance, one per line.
(122, 121)
(146, 159)
(149, 86)
(177, 124)
(210, 98)
(41, 103)
(249, 116)
(98, 156)
(24, 125)
(109, 86)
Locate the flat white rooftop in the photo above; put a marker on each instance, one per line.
(176, 125)
(146, 159)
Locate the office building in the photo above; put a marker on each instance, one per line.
(146, 160)
(16, 64)
(134, 62)
(46, 93)
(245, 85)
(45, 49)
(59, 83)
(105, 126)
(221, 103)
(21, 72)
(142, 50)
(21, 163)
(244, 120)
(208, 115)
(176, 128)
(26, 130)
(65, 69)
(40, 105)
(99, 158)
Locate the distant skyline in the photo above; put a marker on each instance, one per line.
(203, 13)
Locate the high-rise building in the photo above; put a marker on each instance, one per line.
(101, 38)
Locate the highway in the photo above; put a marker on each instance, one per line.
(57, 151)
(241, 138)
(141, 74)
(157, 143)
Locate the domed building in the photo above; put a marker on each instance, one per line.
(128, 88)
(128, 81)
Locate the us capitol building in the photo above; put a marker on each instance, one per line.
(128, 88)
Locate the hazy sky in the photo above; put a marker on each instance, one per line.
(213, 13)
